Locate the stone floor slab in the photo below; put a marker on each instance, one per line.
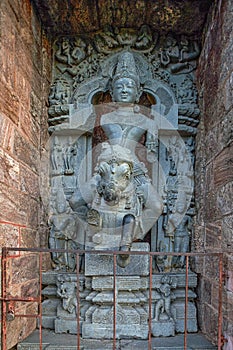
(52, 341)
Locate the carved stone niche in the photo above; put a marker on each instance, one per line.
(121, 175)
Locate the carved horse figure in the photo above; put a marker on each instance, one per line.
(120, 203)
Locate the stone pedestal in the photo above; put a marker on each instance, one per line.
(131, 308)
(102, 264)
(95, 308)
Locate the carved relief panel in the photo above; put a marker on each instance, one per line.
(84, 73)
(122, 116)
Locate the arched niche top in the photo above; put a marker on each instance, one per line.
(161, 92)
(85, 64)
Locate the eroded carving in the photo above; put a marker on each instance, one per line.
(163, 305)
(64, 228)
(68, 293)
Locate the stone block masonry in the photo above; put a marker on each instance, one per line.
(25, 77)
(214, 181)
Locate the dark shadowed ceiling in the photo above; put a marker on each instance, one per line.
(80, 16)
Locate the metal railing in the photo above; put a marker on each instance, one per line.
(8, 300)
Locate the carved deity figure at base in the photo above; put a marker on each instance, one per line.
(63, 235)
(163, 305)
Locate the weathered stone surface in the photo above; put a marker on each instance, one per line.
(227, 240)
(165, 329)
(211, 264)
(223, 167)
(9, 170)
(29, 207)
(9, 235)
(209, 179)
(178, 310)
(10, 209)
(179, 279)
(210, 327)
(10, 109)
(30, 127)
(215, 297)
(29, 238)
(48, 322)
(6, 133)
(18, 332)
(211, 209)
(226, 18)
(205, 290)
(63, 325)
(123, 283)
(26, 152)
(69, 342)
(50, 291)
(229, 93)
(95, 15)
(23, 75)
(49, 277)
(61, 341)
(29, 182)
(16, 28)
(30, 289)
(100, 331)
(213, 235)
(97, 265)
(49, 306)
(224, 196)
(25, 268)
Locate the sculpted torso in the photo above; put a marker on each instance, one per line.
(123, 127)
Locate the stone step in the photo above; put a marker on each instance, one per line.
(52, 341)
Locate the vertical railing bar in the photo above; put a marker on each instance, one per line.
(114, 301)
(78, 301)
(186, 301)
(40, 299)
(150, 303)
(4, 305)
(220, 301)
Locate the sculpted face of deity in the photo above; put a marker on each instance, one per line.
(125, 90)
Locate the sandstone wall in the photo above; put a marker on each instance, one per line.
(214, 166)
(25, 61)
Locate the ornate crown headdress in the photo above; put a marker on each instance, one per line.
(126, 68)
